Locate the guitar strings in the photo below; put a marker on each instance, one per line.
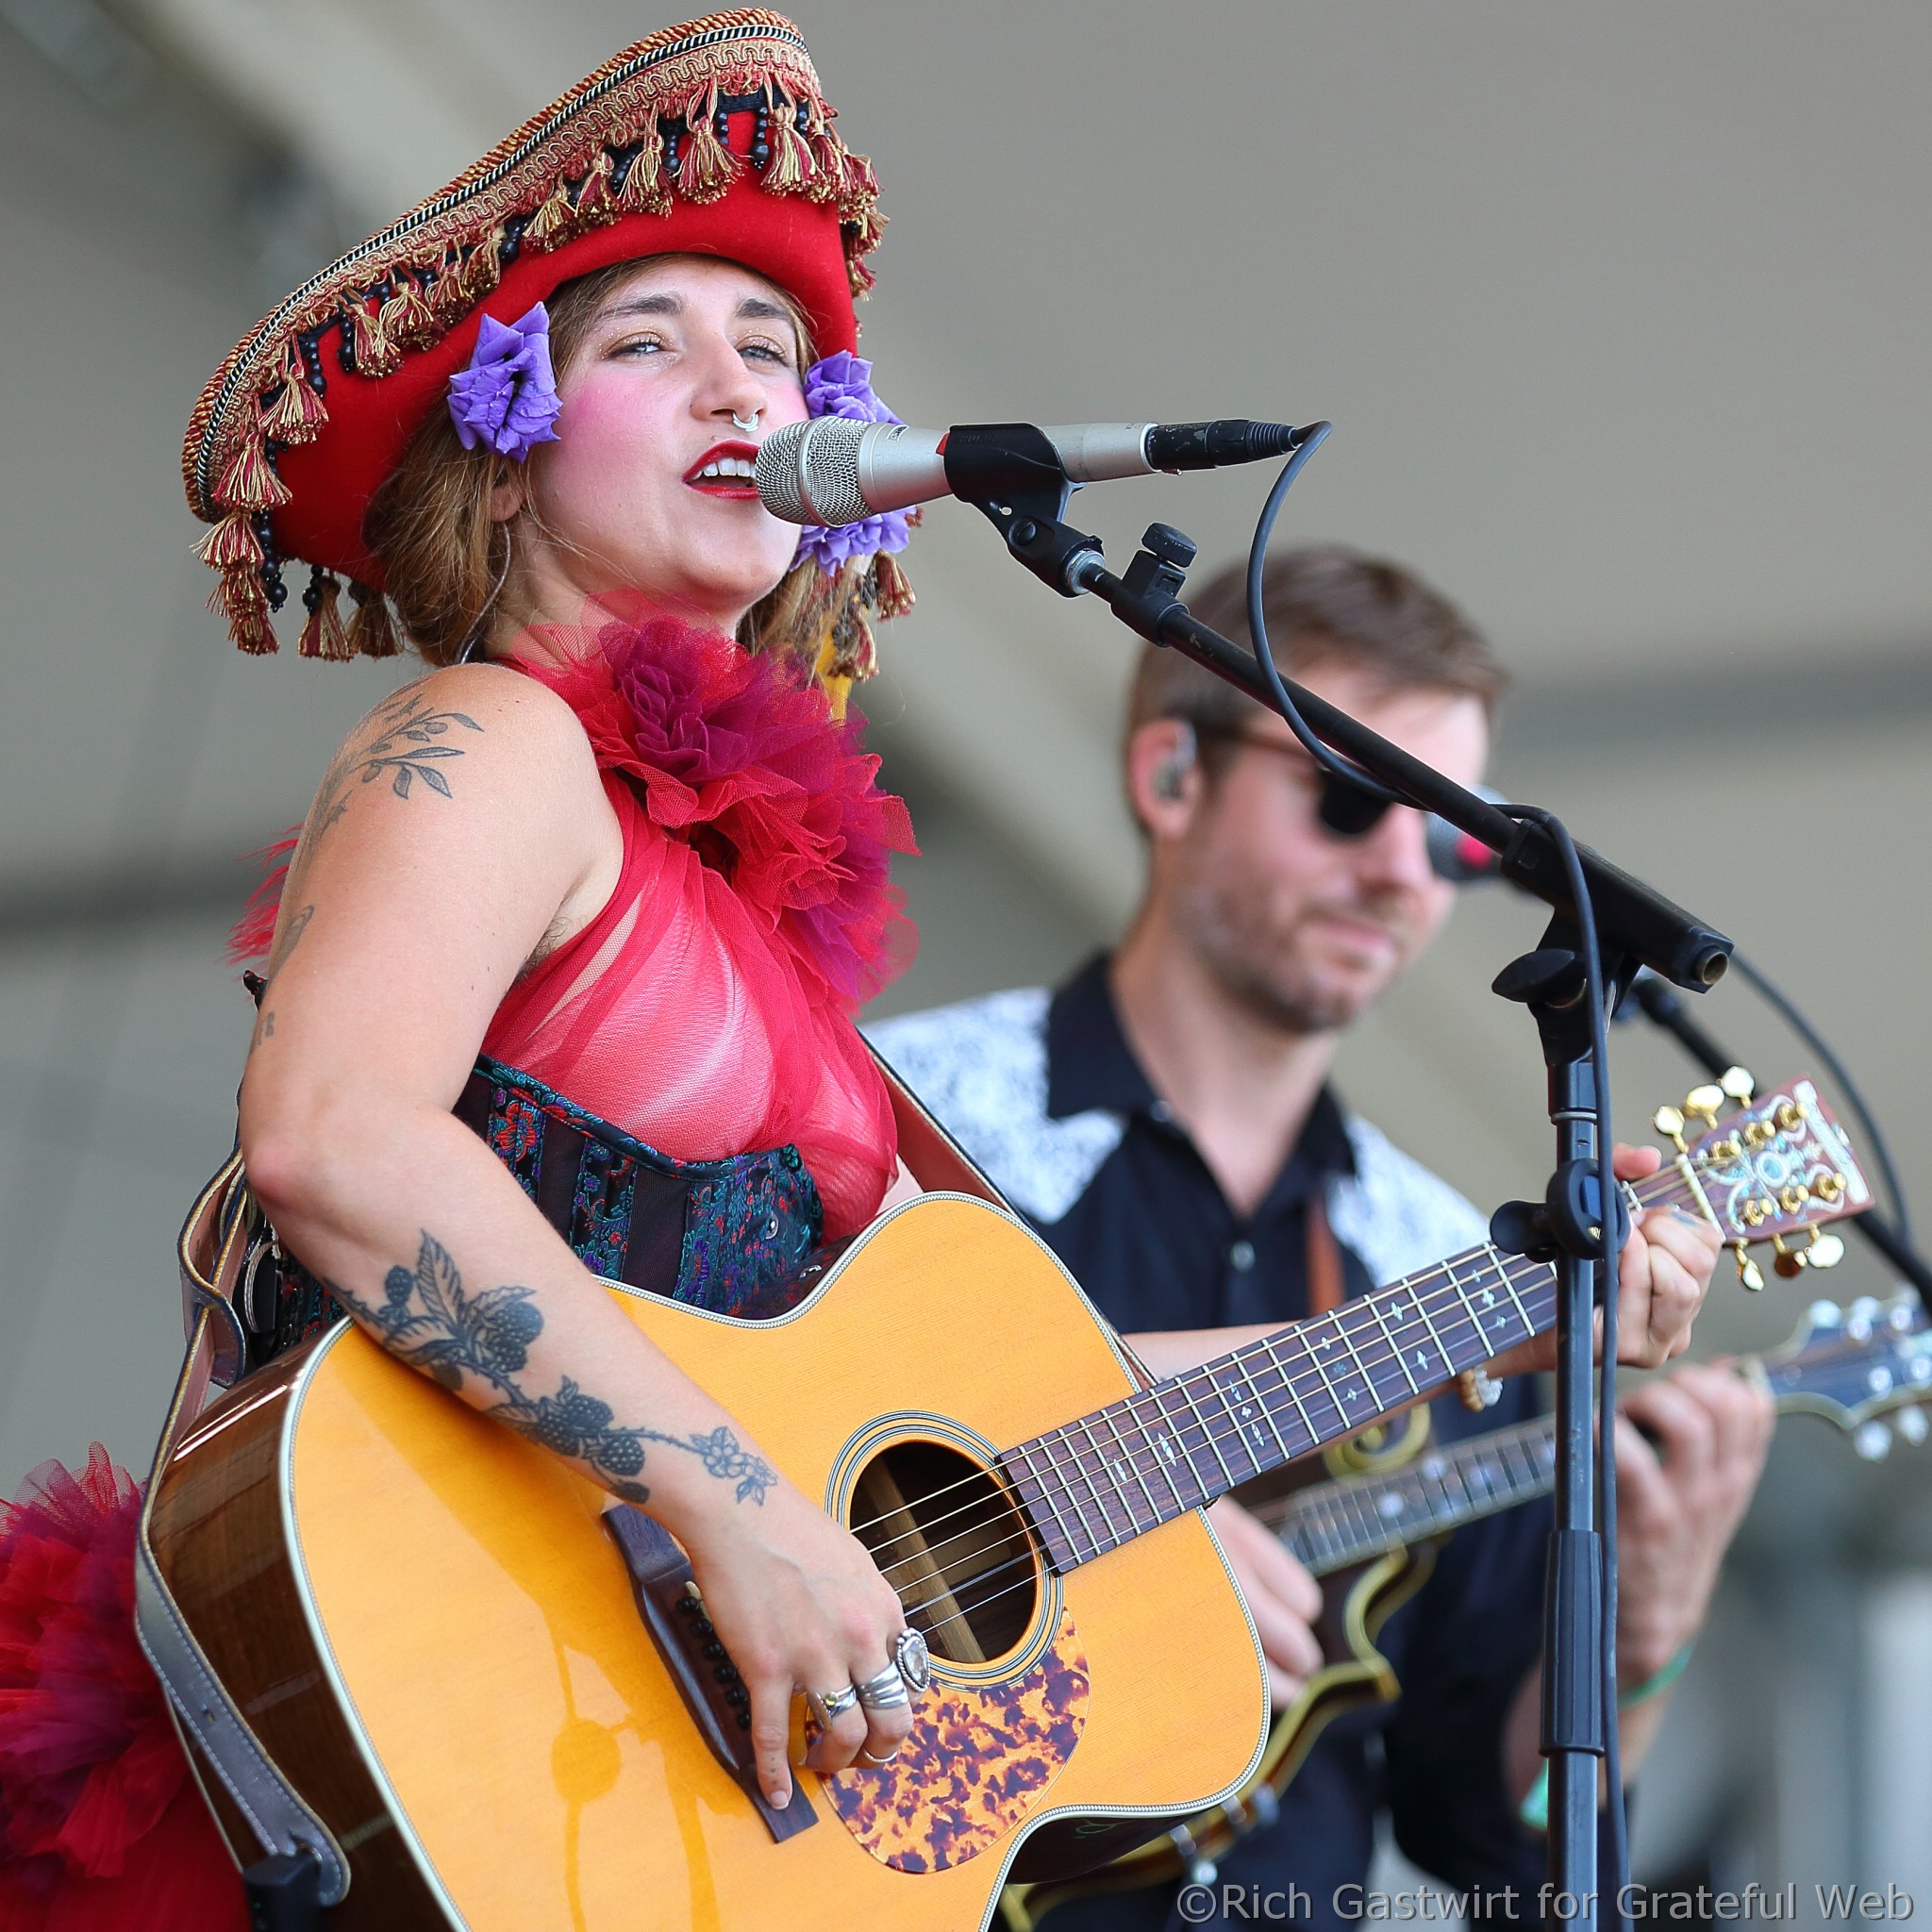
(1375, 1354)
(996, 1510)
(996, 1513)
(1664, 1183)
(1515, 1272)
(1307, 1379)
(1519, 1437)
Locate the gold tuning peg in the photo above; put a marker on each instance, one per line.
(1669, 1123)
(1706, 1102)
(1737, 1084)
(1826, 1251)
(1790, 1262)
(1748, 1271)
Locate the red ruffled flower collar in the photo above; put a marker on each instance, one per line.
(741, 756)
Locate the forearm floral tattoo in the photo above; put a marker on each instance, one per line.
(430, 1320)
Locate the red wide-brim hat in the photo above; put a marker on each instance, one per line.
(708, 139)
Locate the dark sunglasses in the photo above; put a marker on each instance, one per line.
(1343, 809)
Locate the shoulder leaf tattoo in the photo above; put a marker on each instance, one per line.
(406, 745)
(428, 1319)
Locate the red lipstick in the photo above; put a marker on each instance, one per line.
(730, 463)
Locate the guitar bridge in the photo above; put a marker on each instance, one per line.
(719, 1705)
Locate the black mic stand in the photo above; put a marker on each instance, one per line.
(1012, 474)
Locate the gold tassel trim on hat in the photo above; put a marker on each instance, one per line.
(296, 415)
(372, 630)
(596, 205)
(484, 267)
(374, 354)
(554, 223)
(232, 545)
(323, 636)
(705, 164)
(646, 191)
(791, 169)
(241, 599)
(406, 317)
(250, 482)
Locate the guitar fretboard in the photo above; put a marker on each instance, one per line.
(1110, 1476)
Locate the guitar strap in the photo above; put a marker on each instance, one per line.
(1326, 1281)
(210, 1250)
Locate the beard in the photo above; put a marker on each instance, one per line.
(1264, 962)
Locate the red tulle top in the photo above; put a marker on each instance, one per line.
(708, 1009)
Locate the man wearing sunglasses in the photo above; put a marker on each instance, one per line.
(1164, 1120)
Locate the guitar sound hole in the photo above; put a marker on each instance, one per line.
(948, 1540)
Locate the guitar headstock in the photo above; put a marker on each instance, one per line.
(1855, 1365)
(1770, 1166)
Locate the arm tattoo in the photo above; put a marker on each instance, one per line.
(404, 747)
(429, 1320)
(290, 939)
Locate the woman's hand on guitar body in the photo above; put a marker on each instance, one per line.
(801, 1606)
(1282, 1597)
(1669, 1257)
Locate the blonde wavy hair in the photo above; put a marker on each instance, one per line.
(445, 556)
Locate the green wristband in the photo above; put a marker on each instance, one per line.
(1535, 1809)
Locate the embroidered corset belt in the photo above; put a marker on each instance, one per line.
(738, 1236)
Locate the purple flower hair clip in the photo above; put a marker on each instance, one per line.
(507, 398)
(840, 385)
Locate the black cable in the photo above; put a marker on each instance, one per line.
(1787, 1008)
(1257, 628)
(1611, 1225)
(1606, 1183)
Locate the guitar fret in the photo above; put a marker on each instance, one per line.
(1169, 1448)
(1502, 1268)
(1073, 1496)
(1289, 1389)
(1465, 1308)
(1355, 1356)
(1422, 1308)
(1134, 1469)
(1072, 1549)
(1227, 1475)
(1395, 1346)
(1251, 1401)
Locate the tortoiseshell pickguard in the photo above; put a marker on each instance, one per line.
(975, 1765)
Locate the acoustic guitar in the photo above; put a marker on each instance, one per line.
(496, 1699)
(1374, 1537)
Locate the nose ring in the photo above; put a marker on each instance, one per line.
(739, 422)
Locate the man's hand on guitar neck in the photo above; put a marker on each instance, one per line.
(1668, 1259)
(1690, 1447)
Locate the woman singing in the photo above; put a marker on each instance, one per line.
(561, 979)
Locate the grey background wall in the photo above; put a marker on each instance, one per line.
(1619, 316)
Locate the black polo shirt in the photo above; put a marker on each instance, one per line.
(1046, 1094)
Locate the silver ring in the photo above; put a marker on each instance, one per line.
(865, 1757)
(912, 1660)
(739, 422)
(886, 1692)
(827, 1707)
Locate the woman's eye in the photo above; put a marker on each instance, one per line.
(766, 351)
(638, 345)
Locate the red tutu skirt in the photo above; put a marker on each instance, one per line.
(101, 1824)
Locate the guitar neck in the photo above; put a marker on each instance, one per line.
(1110, 1476)
(1330, 1525)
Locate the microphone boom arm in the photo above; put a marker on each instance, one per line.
(1013, 475)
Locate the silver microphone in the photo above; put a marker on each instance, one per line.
(834, 471)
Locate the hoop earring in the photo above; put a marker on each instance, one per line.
(476, 649)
